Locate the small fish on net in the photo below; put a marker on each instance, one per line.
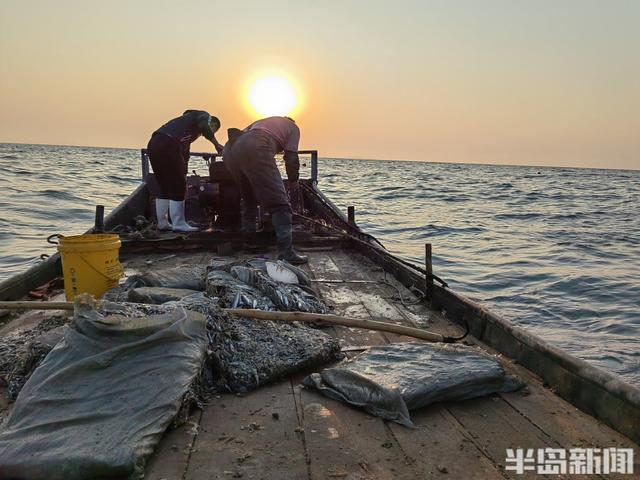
(287, 297)
(232, 293)
(243, 354)
(22, 351)
(247, 353)
(37, 350)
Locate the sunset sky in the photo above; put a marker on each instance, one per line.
(518, 82)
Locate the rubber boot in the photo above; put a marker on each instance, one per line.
(248, 215)
(178, 221)
(282, 224)
(162, 213)
(248, 219)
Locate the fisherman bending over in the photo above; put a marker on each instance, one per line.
(169, 150)
(251, 160)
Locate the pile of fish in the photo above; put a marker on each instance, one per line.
(247, 353)
(242, 353)
(254, 284)
(22, 351)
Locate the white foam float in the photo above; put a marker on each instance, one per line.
(280, 273)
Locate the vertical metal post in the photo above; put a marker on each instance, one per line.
(144, 158)
(351, 214)
(428, 265)
(99, 223)
(314, 167)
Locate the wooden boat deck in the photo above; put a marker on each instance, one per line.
(285, 431)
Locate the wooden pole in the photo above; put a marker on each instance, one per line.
(428, 265)
(27, 305)
(273, 316)
(337, 320)
(351, 215)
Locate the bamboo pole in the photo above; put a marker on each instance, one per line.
(33, 305)
(337, 320)
(273, 316)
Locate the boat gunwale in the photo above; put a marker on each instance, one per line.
(22, 283)
(623, 417)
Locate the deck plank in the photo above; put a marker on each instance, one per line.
(343, 442)
(438, 446)
(495, 426)
(253, 436)
(442, 448)
(565, 423)
(541, 408)
(171, 457)
(371, 295)
(475, 443)
(343, 301)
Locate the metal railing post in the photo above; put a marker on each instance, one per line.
(314, 167)
(98, 226)
(144, 158)
(428, 266)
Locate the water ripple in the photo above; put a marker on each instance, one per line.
(556, 250)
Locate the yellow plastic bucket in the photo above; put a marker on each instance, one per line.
(90, 263)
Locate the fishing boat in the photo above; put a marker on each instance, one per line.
(286, 431)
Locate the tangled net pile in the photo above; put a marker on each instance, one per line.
(242, 353)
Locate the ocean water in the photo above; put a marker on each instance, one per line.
(555, 250)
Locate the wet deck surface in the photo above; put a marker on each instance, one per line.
(283, 431)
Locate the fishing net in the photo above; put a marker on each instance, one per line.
(389, 380)
(232, 293)
(37, 350)
(245, 353)
(22, 351)
(107, 387)
(246, 284)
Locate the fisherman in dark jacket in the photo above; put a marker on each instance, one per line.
(251, 161)
(169, 150)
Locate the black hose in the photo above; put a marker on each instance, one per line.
(461, 337)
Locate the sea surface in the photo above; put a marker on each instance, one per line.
(555, 250)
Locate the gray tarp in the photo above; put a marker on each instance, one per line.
(389, 380)
(101, 400)
(184, 276)
(158, 295)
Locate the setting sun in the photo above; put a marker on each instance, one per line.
(272, 95)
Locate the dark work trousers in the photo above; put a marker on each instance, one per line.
(251, 162)
(170, 164)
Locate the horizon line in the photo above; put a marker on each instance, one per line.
(362, 158)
